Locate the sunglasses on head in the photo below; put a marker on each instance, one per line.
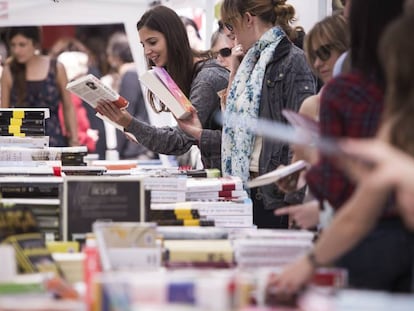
(224, 52)
(323, 52)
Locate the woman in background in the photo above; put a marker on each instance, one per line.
(324, 43)
(33, 80)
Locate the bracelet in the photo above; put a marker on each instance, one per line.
(312, 260)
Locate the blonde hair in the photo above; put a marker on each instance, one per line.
(276, 12)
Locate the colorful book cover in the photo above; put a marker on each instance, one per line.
(166, 79)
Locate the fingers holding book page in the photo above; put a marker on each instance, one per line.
(111, 111)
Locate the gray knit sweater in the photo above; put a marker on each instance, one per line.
(210, 79)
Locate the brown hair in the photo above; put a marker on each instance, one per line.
(332, 30)
(180, 55)
(395, 53)
(276, 12)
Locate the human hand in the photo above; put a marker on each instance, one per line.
(237, 54)
(291, 280)
(304, 216)
(110, 110)
(292, 182)
(191, 125)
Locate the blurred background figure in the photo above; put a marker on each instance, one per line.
(95, 138)
(196, 42)
(30, 79)
(123, 78)
(76, 65)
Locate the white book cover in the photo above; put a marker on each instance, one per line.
(29, 142)
(214, 184)
(207, 208)
(92, 90)
(160, 83)
(175, 183)
(277, 174)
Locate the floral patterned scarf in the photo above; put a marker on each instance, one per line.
(244, 100)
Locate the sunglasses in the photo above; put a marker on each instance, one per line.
(323, 52)
(224, 52)
(227, 25)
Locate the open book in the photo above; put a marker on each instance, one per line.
(277, 174)
(92, 90)
(160, 83)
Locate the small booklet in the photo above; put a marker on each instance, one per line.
(277, 174)
(92, 90)
(160, 83)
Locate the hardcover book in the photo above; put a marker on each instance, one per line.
(160, 83)
(92, 90)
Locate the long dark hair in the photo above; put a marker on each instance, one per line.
(180, 55)
(18, 70)
(368, 19)
(395, 51)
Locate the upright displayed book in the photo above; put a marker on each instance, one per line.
(92, 90)
(160, 83)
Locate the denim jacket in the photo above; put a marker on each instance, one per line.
(288, 81)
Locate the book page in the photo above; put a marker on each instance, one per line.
(92, 90)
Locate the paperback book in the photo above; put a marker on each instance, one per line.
(92, 90)
(277, 174)
(160, 83)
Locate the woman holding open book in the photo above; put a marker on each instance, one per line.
(165, 42)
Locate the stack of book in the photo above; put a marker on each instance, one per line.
(270, 248)
(218, 199)
(23, 122)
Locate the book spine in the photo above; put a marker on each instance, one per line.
(232, 221)
(22, 114)
(159, 196)
(186, 222)
(185, 214)
(165, 183)
(33, 142)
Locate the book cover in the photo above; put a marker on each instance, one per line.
(199, 251)
(28, 142)
(92, 90)
(159, 82)
(277, 174)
